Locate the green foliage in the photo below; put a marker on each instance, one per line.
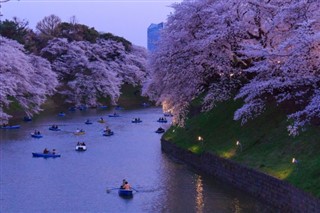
(77, 32)
(127, 44)
(131, 96)
(15, 29)
(265, 144)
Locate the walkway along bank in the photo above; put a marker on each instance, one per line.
(275, 192)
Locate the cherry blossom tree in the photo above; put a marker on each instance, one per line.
(196, 54)
(286, 43)
(26, 79)
(90, 71)
(263, 52)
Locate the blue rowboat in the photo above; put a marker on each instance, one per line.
(54, 129)
(62, 114)
(88, 122)
(10, 127)
(47, 155)
(26, 118)
(108, 133)
(125, 192)
(162, 121)
(114, 115)
(36, 135)
(136, 121)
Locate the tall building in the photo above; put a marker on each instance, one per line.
(154, 35)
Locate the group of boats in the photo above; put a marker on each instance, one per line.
(81, 146)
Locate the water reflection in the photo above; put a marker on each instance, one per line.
(236, 205)
(133, 152)
(199, 195)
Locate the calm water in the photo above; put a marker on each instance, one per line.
(78, 182)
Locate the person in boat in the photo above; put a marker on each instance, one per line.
(54, 151)
(126, 186)
(81, 130)
(83, 144)
(78, 144)
(38, 133)
(78, 130)
(45, 151)
(101, 119)
(160, 129)
(123, 183)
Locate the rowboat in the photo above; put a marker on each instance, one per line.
(108, 133)
(114, 115)
(160, 130)
(10, 127)
(36, 135)
(79, 133)
(162, 120)
(101, 121)
(26, 118)
(125, 193)
(81, 148)
(167, 114)
(62, 114)
(136, 120)
(88, 122)
(54, 129)
(47, 155)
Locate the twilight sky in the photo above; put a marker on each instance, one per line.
(126, 18)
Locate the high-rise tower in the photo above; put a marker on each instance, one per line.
(154, 35)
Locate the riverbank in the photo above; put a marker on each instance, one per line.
(273, 191)
(130, 98)
(262, 144)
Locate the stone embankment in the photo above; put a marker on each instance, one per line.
(275, 192)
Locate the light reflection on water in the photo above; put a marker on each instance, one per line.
(199, 196)
(78, 182)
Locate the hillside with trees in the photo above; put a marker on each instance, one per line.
(70, 61)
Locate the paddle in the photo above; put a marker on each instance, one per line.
(134, 189)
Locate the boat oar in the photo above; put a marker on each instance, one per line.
(109, 190)
(134, 189)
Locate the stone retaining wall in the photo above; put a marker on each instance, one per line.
(273, 191)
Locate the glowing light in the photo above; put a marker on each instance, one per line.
(200, 138)
(239, 145)
(294, 161)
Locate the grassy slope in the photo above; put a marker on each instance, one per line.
(266, 145)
